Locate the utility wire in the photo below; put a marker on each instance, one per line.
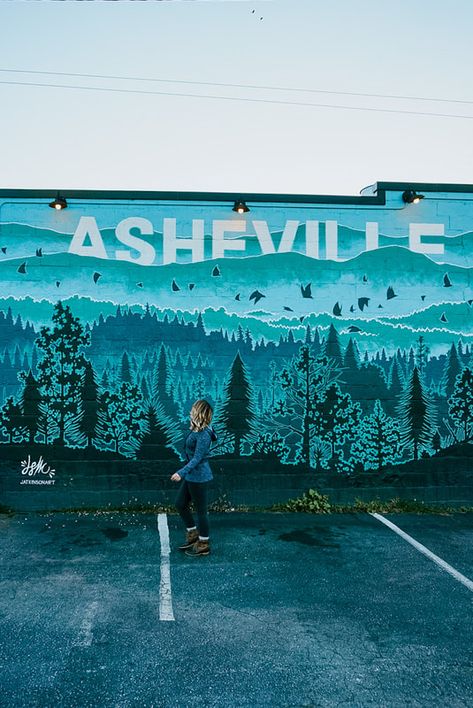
(248, 86)
(236, 98)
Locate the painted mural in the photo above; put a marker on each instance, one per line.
(334, 342)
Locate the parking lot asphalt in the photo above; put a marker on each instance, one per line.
(287, 610)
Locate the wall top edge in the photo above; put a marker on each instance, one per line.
(377, 195)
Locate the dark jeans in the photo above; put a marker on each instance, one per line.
(196, 492)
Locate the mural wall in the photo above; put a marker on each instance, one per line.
(333, 338)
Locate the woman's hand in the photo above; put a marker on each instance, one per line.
(176, 477)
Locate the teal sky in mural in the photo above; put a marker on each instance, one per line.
(114, 139)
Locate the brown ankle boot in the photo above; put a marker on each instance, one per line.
(191, 538)
(200, 548)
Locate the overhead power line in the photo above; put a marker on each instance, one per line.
(239, 98)
(246, 86)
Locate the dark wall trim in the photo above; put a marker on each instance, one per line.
(379, 198)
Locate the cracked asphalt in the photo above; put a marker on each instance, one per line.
(288, 610)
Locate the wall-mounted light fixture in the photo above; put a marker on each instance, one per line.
(58, 202)
(240, 207)
(411, 197)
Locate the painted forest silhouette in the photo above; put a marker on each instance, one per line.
(122, 387)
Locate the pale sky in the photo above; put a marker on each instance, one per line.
(61, 138)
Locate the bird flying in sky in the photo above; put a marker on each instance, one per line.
(307, 290)
(256, 296)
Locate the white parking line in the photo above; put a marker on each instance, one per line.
(458, 576)
(85, 634)
(165, 596)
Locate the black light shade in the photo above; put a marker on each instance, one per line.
(411, 197)
(240, 207)
(58, 202)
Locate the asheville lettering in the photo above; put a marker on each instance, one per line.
(229, 236)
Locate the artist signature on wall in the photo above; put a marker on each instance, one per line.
(32, 468)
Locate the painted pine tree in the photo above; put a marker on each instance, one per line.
(396, 380)
(421, 356)
(461, 403)
(159, 438)
(30, 403)
(121, 419)
(162, 385)
(199, 388)
(378, 440)
(62, 367)
(104, 382)
(453, 367)
(352, 356)
(145, 389)
(236, 413)
(332, 349)
(416, 413)
(336, 417)
(125, 369)
(89, 395)
(303, 383)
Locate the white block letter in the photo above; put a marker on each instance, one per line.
(372, 235)
(416, 231)
(264, 237)
(171, 243)
(220, 244)
(87, 227)
(331, 240)
(146, 250)
(288, 236)
(312, 239)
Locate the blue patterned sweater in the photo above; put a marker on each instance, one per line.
(197, 447)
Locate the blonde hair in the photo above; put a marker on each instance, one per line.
(201, 415)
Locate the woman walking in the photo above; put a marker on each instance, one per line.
(196, 475)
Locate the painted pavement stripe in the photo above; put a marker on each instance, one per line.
(165, 596)
(422, 549)
(85, 635)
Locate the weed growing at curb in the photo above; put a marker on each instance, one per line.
(314, 502)
(311, 502)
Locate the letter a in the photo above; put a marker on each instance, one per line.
(87, 227)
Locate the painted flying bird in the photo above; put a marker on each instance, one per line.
(470, 302)
(216, 271)
(422, 297)
(354, 328)
(380, 306)
(352, 308)
(337, 310)
(288, 309)
(39, 252)
(301, 318)
(21, 268)
(58, 283)
(307, 290)
(140, 285)
(4, 249)
(237, 297)
(365, 278)
(443, 318)
(97, 276)
(256, 296)
(175, 286)
(447, 283)
(363, 302)
(390, 293)
(191, 286)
